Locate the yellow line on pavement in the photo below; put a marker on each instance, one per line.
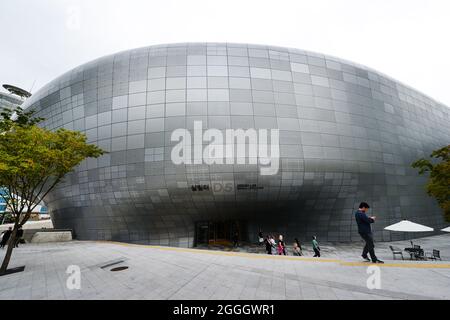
(398, 265)
(277, 257)
(221, 253)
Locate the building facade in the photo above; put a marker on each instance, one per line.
(346, 134)
(9, 101)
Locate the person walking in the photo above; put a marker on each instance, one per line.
(297, 248)
(268, 245)
(281, 245)
(280, 248)
(316, 247)
(273, 246)
(365, 231)
(19, 236)
(236, 240)
(260, 238)
(6, 236)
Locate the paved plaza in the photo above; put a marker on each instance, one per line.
(176, 273)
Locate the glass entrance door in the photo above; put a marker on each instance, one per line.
(202, 233)
(219, 232)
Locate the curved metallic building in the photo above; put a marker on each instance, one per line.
(346, 133)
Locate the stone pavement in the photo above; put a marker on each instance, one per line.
(176, 273)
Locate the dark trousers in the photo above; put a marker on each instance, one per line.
(4, 243)
(317, 252)
(369, 247)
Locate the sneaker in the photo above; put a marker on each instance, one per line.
(366, 258)
(378, 261)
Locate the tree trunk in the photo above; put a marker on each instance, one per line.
(9, 250)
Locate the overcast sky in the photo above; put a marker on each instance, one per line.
(405, 39)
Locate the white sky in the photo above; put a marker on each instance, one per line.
(405, 39)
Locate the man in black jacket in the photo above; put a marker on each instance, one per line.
(6, 236)
(19, 236)
(365, 232)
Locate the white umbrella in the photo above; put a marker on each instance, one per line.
(446, 229)
(408, 226)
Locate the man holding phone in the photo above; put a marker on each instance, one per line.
(365, 231)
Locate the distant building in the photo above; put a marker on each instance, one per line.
(40, 211)
(9, 101)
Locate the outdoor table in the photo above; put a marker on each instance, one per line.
(414, 252)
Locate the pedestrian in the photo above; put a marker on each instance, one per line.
(268, 245)
(260, 238)
(365, 231)
(281, 245)
(19, 236)
(273, 246)
(298, 243)
(6, 236)
(297, 248)
(280, 248)
(316, 247)
(236, 240)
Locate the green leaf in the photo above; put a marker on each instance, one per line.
(438, 185)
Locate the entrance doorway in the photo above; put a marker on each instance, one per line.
(219, 232)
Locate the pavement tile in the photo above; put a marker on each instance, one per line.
(176, 273)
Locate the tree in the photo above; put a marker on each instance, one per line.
(6, 217)
(438, 184)
(33, 160)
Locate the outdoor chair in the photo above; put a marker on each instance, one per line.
(435, 255)
(396, 251)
